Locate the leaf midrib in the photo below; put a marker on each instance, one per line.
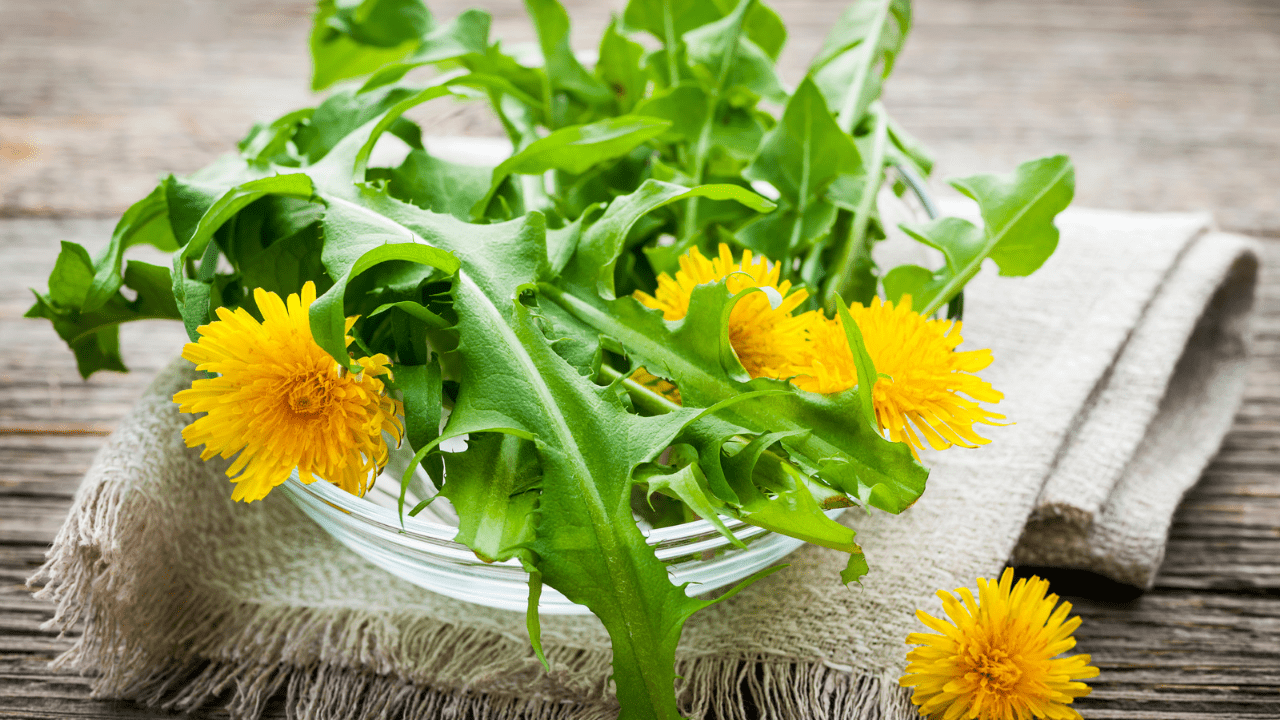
(960, 279)
(610, 545)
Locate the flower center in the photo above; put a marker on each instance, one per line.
(309, 395)
(994, 670)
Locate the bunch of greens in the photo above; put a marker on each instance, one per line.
(503, 294)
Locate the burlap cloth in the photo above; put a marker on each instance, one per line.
(1121, 361)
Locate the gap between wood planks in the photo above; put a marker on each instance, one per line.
(55, 429)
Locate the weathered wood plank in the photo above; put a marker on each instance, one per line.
(1163, 105)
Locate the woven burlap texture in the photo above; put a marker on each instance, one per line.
(184, 596)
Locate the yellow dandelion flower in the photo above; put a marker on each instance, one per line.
(918, 396)
(659, 385)
(281, 402)
(765, 338)
(997, 658)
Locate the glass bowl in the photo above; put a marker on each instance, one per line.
(423, 552)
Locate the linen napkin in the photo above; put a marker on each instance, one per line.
(1121, 362)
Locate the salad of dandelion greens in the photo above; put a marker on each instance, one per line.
(560, 308)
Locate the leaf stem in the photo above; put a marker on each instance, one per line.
(802, 204)
(848, 118)
(855, 246)
(495, 101)
(669, 29)
(960, 279)
(650, 401)
(708, 124)
(642, 396)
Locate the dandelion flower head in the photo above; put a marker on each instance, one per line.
(765, 336)
(996, 658)
(920, 395)
(282, 402)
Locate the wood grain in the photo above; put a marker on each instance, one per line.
(1164, 105)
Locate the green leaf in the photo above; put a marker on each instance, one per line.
(188, 201)
(146, 221)
(343, 112)
(587, 544)
(679, 16)
(852, 457)
(801, 156)
(72, 276)
(355, 241)
(690, 486)
(602, 242)
(1018, 210)
(338, 172)
(620, 67)
(853, 269)
(530, 83)
(493, 487)
(906, 280)
(287, 264)
(354, 38)
(806, 151)
(909, 149)
(731, 59)
(858, 54)
(684, 106)
(439, 185)
(268, 143)
(381, 23)
(777, 237)
(855, 569)
(93, 335)
(866, 369)
(467, 34)
(551, 23)
(94, 338)
(153, 290)
(422, 387)
(788, 507)
(576, 149)
(236, 199)
(562, 243)
(765, 28)
(532, 621)
(194, 298)
(417, 311)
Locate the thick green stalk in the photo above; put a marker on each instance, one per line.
(704, 134)
(669, 30)
(856, 249)
(854, 246)
(846, 118)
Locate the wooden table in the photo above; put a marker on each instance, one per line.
(1163, 104)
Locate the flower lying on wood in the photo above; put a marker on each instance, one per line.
(997, 658)
(282, 403)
